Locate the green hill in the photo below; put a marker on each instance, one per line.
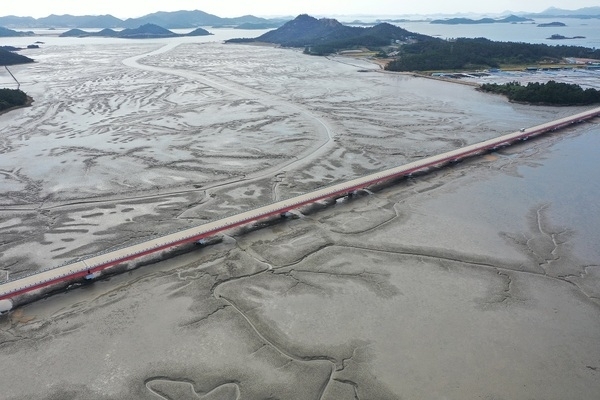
(11, 98)
(10, 58)
(476, 53)
(146, 31)
(550, 93)
(324, 36)
(5, 32)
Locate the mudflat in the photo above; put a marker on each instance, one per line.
(476, 281)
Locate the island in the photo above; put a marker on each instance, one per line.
(326, 36)
(9, 57)
(11, 98)
(561, 37)
(480, 53)
(551, 24)
(409, 51)
(513, 19)
(5, 32)
(550, 93)
(147, 31)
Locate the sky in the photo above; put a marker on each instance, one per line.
(236, 8)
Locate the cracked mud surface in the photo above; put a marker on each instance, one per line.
(477, 281)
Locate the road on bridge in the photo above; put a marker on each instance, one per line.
(90, 266)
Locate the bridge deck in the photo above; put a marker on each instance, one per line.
(99, 262)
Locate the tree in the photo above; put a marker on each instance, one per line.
(12, 98)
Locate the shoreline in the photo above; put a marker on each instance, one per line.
(29, 103)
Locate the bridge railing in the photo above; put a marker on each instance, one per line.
(332, 190)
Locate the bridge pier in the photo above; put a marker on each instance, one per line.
(61, 277)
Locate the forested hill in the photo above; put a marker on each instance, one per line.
(10, 98)
(480, 53)
(10, 58)
(5, 32)
(550, 93)
(305, 30)
(328, 35)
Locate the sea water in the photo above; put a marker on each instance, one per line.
(521, 32)
(528, 32)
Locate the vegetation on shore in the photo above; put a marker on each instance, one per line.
(550, 93)
(411, 51)
(325, 36)
(11, 58)
(12, 98)
(5, 32)
(480, 53)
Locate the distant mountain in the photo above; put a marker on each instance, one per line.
(10, 58)
(324, 36)
(101, 21)
(62, 21)
(147, 31)
(5, 32)
(582, 13)
(84, 21)
(12, 21)
(249, 19)
(468, 21)
(259, 25)
(174, 20)
(169, 20)
(190, 19)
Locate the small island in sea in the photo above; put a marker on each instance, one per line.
(551, 25)
(549, 93)
(561, 37)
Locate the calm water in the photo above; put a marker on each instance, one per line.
(51, 37)
(529, 33)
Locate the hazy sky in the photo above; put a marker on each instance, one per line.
(231, 8)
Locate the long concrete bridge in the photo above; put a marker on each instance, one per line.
(29, 286)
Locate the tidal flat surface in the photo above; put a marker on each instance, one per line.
(127, 141)
(481, 280)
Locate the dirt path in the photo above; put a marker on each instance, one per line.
(319, 149)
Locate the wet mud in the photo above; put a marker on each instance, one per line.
(480, 280)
